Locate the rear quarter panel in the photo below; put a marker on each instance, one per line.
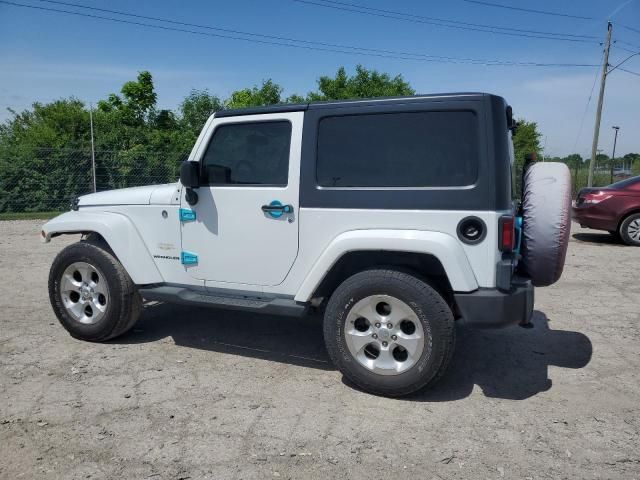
(320, 227)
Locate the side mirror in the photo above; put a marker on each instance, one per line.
(190, 174)
(190, 179)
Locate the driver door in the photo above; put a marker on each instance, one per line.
(245, 229)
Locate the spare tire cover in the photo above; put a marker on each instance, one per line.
(546, 221)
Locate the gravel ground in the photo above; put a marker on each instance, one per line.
(194, 393)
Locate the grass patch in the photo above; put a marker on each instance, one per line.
(28, 215)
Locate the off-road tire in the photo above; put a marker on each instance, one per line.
(546, 222)
(625, 226)
(125, 303)
(432, 311)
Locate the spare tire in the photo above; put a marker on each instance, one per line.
(546, 222)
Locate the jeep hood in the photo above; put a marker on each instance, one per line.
(152, 194)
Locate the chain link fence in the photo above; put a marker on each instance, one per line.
(602, 175)
(46, 180)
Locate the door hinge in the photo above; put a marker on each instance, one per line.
(188, 258)
(187, 215)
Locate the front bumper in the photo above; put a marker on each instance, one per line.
(493, 308)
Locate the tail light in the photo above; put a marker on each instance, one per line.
(506, 233)
(594, 198)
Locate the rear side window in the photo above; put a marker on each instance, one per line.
(254, 153)
(417, 149)
(632, 182)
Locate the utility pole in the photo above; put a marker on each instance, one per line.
(93, 153)
(615, 140)
(603, 80)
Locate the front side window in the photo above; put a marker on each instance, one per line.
(255, 153)
(413, 150)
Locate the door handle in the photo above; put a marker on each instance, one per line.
(275, 209)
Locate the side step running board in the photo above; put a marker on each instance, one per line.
(202, 298)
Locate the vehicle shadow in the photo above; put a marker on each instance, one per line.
(600, 238)
(296, 341)
(511, 363)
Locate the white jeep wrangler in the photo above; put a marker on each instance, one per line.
(397, 216)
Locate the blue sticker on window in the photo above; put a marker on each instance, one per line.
(188, 258)
(187, 215)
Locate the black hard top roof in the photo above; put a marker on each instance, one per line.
(301, 107)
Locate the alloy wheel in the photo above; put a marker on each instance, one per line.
(85, 292)
(384, 334)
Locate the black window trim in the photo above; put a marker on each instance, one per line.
(205, 183)
(487, 194)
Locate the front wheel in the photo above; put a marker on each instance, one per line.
(389, 332)
(91, 293)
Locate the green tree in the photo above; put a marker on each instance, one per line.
(44, 155)
(574, 160)
(137, 102)
(196, 108)
(602, 160)
(364, 84)
(632, 160)
(526, 140)
(295, 98)
(267, 94)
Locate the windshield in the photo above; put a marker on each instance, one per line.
(627, 182)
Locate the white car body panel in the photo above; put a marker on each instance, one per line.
(168, 194)
(314, 241)
(235, 241)
(123, 196)
(162, 237)
(119, 232)
(153, 194)
(444, 247)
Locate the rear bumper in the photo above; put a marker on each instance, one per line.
(492, 308)
(594, 217)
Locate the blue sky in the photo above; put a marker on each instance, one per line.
(47, 55)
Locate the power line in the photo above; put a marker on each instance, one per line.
(628, 44)
(629, 71)
(288, 39)
(618, 65)
(627, 49)
(455, 22)
(440, 23)
(306, 44)
(547, 12)
(529, 10)
(629, 28)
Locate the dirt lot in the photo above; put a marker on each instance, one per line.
(193, 393)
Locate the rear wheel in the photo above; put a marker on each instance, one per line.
(389, 332)
(91, 294)
(630, 230)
